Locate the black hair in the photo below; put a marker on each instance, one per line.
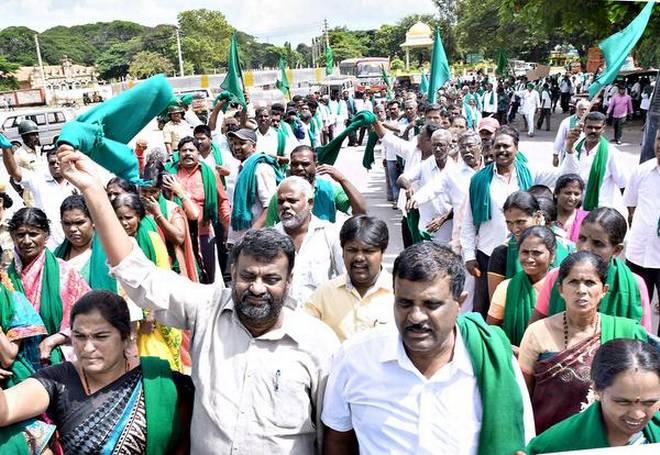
(367, 229)
(618, 356)
(393, 102)
(540, 191)
(547, 208)
(432, 107)
(297, 98)
(540, 232)
(277, 107)
(123, 184)
(74, 202)
(265, 245)
(301, 148)
(424, 261)
(154, 171)
(565, 180)
(260, 109)
(7, 201)
(112, 307)
(595, 116)
(429, 129)
(522, 201)
(29, 216)
(612, 222)
(577, 258)
(458, 117)
(186, 140)
(202, 129)
(130, 200)
(312, 104)
(508, 131)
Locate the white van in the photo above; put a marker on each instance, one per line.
(49, 121)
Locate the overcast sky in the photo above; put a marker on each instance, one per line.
(274, 21)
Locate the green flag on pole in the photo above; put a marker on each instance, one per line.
(282, 81)
(439, 68)
(617, 47)
(502, 63)
(329, 61)
(387, 81)
(424, 83)
(233, 82)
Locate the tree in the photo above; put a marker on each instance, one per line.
(113, 63)
(205, 36)
(345, 44)
(305, 52)
(146, 64)
(17, 45)
(7, 79)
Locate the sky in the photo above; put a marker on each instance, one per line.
(273, 21)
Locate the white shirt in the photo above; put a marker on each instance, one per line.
(48, 196)
(487, 105)
(559, 147)
(228, 161)
(453, 184)
(375, 389)
(318, 260)
(531, 101)
(421, 175)
(409, 152)
(616, 177)
(643, 241)
(267, 143)
(546, 102)
(493, 232)
(192, 118)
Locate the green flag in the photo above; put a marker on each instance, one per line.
(439, 68)
(282, 81)
(233, 82)
(617, 47)
(424, 83)
(329, 61)
(387, 81)
(502, 63)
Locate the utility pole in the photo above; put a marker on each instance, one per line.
(178, 46)
(41, 66)
(325, 30)
(314, 52)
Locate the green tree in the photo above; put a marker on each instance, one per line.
(17, 45)
(146, 64)
(205, 36)
(113, 63)
(346, 44)
(305, 52)
(7, 79)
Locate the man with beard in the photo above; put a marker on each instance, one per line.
(258, 368)
(436, 382)
(361, 298)
(318, 253)
(329, 195)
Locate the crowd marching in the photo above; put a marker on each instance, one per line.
(223, 290)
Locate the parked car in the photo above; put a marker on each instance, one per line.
(49, 121)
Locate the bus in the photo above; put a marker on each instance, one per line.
(368, 70)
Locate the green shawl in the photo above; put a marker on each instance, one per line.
(513, 263)
(147, 224)
(245, 192)
(217, 157)
(520, 301)
(502, 427)
(327, 154)
(160, 400)
(50, 309)
(368, 158)
(613, 327)
(417, 234)
(480, 188)
(583, 431)
(12, 440)
(209, 184)
(281, 141)
(99, 273)
(21, 369)
(623, 298)
(596, 173)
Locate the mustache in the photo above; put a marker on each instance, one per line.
(247, 294)
(417, 328)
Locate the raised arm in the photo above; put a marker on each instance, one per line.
(358, 202)
(10, 164)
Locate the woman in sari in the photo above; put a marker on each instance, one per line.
(101, 402)
(556, 353)
(626, 381)
(514, 299)
(154, 339)
(117, 186)
(521, 211)
(568, 199)
(50, 284)
(602, 232)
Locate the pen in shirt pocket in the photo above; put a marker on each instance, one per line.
(276, 382)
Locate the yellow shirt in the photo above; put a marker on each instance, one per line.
(338, 304)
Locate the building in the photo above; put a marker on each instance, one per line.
(66, 76)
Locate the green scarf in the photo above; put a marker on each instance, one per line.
(417, 234)
(209, 184)
(520, 301)
(502, 428)
(513, 263)
(623, 298)
(245, 192)
(480, 188)
(585, 430)
(572, 121)
(50, 310)
(160, 401)
(13, 441)
(613, 327)
(596, 173)
(368, 159)
(281, 141)
(99, 273)
(147, 224)
(20, 368)
(327, 154)
(217, 157)
(162, 204)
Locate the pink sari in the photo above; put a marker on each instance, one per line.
(573, 229)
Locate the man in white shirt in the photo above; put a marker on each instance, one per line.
(565, 87)
(570, 122)
(318, 253)
(546, 104)
(616, 174)
(418, 388)
(643, 240)
(530, 104)
(269, 140)
(489, 101)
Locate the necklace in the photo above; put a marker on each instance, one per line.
(565, 319)
(88, 390)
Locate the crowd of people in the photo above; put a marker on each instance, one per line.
(236, 299)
